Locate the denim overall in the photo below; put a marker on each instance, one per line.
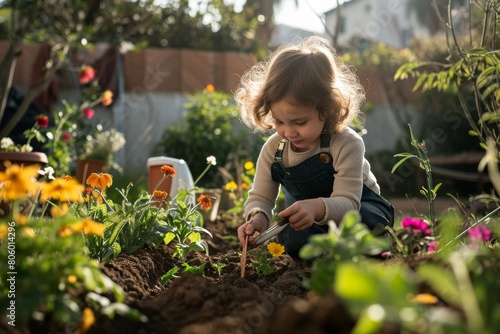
(314, 178)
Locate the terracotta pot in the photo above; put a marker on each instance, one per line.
(85, 167)
(22, 158)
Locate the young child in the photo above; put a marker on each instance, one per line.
(309, 97)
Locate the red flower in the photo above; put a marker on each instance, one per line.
(42, 121)
(88, 113)
(87, 74)
(205, 202)
(66, 136)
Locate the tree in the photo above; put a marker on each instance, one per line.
(67, 26)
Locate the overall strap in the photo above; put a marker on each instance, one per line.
(324, 144)
(278, 156)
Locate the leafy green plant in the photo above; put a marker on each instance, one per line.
(211, 125)
(431, 191)
(219, 267)
(348, 241)
(263, 258)
(51, 249)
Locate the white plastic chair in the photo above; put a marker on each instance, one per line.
(181, 180)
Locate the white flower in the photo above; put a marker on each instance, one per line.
(211, 160)
(6, 143)
(49, 171)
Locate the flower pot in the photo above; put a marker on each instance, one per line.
(22, 158)
(85, 167)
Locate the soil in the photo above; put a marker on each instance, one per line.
(215, 302)
(219, 302)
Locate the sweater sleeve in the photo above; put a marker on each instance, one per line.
(262, 196)
(348, 158)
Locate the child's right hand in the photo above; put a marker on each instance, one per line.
(257, 223)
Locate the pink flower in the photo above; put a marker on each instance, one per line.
(416, 225)
(88, 113)
(433, 246)
(42, 121)
(87, 74)
(479, 233)
(66, 136)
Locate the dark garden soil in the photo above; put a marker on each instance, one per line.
(225, 303)
(214, 303)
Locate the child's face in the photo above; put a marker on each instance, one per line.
(301, 125)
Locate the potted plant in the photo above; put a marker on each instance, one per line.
(98, 152)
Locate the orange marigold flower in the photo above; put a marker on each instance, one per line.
(65, 231)
(88, 319)
(57, 211)
(88, 226)
(66, 177)
(21, 219)
(72, 279)
(205, 202)
(244, 186)
(101, 180)
(4, 231)
(107, 98)
(87, 74)
(168, 170)
(160, 194)
(18, 182)
(425, 298)
(210, 88)
(60, 189)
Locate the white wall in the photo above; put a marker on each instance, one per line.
(377, 20)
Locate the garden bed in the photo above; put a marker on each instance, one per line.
(219, 303)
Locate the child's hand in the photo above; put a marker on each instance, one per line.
(257, 223)
(302, 214)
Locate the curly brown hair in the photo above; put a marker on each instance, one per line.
(309, 73)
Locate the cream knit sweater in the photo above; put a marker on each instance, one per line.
(348, 152)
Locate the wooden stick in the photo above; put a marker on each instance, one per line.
(243, 261)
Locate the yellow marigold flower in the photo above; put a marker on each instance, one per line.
(18, 182)
(210, 88)
(160, 194)
(275, 249)
(66, 177)
(231, 186)
(425, 298)
(88, 320)
(205, 202)
(167, 170)
(64, 190)
(21, 219)
(4, 230)
(248, 165)
(92, 227)
(107, 98)
(65, 231)
(72, 279)
(101, 180)
(28, 232)
(61, 210)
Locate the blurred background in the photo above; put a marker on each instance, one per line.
(159, 57)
